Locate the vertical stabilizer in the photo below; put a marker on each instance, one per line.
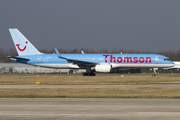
(22, 44)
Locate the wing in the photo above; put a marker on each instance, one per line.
(80, 63)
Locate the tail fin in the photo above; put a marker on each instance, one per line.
(22, 45)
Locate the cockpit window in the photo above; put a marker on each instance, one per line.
(167, 59)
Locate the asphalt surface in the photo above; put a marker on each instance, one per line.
(88, 86)
(89, 109)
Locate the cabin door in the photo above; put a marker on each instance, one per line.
(39, 59)
(157, 60)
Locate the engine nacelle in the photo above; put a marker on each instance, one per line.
(103, 67)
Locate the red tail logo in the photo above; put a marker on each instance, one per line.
(20, 48)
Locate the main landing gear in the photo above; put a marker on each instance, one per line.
(89, 72)
(154, 72)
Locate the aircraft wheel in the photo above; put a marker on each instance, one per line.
(93, 74)
(154, 75)
(88, 74)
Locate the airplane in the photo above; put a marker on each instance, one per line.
(28, 54)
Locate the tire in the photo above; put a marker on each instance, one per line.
(154, 75)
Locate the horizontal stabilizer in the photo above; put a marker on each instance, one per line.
(20, 58)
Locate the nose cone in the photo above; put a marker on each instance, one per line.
(172, 63)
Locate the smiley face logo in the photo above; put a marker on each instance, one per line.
(20, 48)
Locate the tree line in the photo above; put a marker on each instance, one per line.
(173, 55)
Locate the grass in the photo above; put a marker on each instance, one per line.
(91, 93)
(100, 79)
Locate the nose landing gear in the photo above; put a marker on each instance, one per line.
(154, 72)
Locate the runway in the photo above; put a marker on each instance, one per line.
(90, 86)
(89, 109)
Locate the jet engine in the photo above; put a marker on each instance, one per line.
(103, 67)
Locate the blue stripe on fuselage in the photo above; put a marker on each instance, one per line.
(100, 58)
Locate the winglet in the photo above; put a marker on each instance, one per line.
(58, 54)
(82, 51)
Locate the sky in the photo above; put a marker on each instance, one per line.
(144, 25)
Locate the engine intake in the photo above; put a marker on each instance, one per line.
(103, 67)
